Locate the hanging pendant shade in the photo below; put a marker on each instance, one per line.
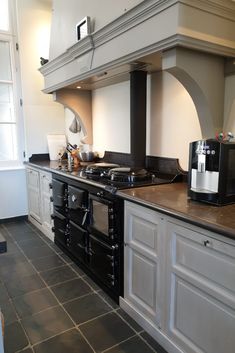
(75, 126)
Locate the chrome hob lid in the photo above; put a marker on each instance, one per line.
(129, 175)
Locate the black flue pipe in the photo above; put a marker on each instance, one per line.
(138, 85)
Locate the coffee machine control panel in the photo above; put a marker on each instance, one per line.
(205, 155)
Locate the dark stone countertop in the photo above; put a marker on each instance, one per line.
(172, 199)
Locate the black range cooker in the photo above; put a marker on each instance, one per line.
(88, 218)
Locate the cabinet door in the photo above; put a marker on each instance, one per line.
(34, 194)
(142, 265)
(201, 291)
(46, 205)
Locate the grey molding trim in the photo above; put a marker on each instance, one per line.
(221, 8)
(168, 43)
(135, 16)
(84, 46)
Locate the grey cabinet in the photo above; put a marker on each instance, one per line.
(40, 205)
(179, 282)
(142, 268)
(33, 183)
(201, 291)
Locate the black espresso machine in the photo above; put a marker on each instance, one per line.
(211, 176)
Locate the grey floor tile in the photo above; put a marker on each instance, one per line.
(46, 324)
(34, 302)
(70, 341)
(86, 308)
(47, 263)
(30, 243)
(8, 311)
(23, 235)
(10, 273)
(77, 269)
(14, 338)
(71, 290)
(58, 275)
(93, 285)
(109, 300)
(27, 350)
(66, 258)
(130, 321)
(12, 248)
(8, 260)
(55, 248)
(23, 285)
(36, 253)
(3, 293)
(154, 344)
(133, 345)
(106, 331)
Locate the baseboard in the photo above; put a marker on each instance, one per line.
(14, 219)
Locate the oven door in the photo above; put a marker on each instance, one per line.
(78, 242)
(60, 227)
(77, 205)
(59, 192)
(104, 261)
(102, 217)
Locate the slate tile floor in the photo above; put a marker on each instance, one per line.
(51, 306)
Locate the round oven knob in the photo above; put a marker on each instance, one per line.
(100, 194)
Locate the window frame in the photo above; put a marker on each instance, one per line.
(10, 36)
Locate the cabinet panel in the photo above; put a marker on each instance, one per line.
(46, 205)
(199, 322)
(33, 179)
(39, 193)
(143, 281)
(201, 290)
(142, 266)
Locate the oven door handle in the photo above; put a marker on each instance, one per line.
(86, 211)
(81, 246)
(91, 252)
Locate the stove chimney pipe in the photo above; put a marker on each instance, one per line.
(138, 81)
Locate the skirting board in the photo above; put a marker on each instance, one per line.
(13, 219)
(149, 327)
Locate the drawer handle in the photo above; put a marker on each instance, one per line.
(206, 242)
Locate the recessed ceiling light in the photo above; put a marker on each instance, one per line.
(78, 87)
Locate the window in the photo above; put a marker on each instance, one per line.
(9, 102)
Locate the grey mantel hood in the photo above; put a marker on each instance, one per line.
(183, 37)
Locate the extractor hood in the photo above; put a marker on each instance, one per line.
(139, 37)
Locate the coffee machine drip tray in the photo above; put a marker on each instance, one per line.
(203, 191)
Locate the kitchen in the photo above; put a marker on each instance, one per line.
(174, 115)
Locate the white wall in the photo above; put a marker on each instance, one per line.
(111, 118)
(13, 193)
(41, 114)
(172, 120)
(229, 104)
(66, 14)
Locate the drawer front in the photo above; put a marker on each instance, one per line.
(203, 256)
